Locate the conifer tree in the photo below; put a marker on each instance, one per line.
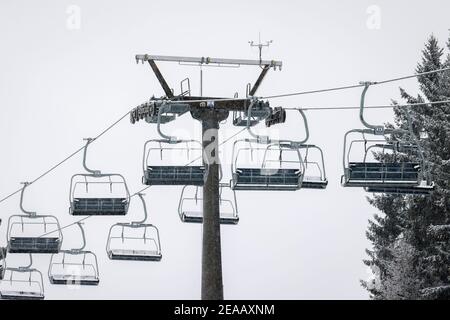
(421, 222)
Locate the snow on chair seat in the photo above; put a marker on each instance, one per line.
(313, 182)
(197, 217)
(422, 189)
(22, 283)
(70, 279)
(21, 295)
(134, 241)
(99, 206)
(75, 266)
(137, 255)
(267, 179)
(174, 175)
(190, 207)
(386, 174)
(399, 168)
(34, 245)
(67, 279)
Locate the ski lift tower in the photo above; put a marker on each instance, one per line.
(210, 111)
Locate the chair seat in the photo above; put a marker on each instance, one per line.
(415, 190)
(33, 245)
(74, 279)
(174, 175)
(134, 255)
(312, 182)
(266, 179)
(99, 206)
(197, 217)
(386, 174)
(21, 295)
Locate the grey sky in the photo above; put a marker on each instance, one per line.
(59, 84)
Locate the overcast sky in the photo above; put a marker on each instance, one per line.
(67, 70)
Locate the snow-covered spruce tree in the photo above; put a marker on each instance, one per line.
(403, 279)
(422, 223)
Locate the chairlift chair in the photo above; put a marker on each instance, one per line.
(286, 171)
(22, 283)
(33, 233)
(134, 241)
(190, 207)
(314, 176)
(75, 266)
(175, 173)
(288, 175)
(399, 176)
(98, 194)
(370, 173)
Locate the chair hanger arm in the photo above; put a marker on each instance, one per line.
(162, 109)
(95, 172)
(83, 236)
(30, 213)
(141, 196)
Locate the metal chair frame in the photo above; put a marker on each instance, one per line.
(21, 294)
(397, 177)
(262, 183)
(33, 244)
(197, 216)
(86, 264)
(172, 174)
(103, 206)
(130, 254)
(264, 178)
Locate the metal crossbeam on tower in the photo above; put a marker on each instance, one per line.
(209, 61)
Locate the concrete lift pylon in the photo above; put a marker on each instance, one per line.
(210, 111)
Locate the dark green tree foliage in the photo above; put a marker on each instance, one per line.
(419, 223)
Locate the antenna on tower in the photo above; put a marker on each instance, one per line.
(260, 45)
